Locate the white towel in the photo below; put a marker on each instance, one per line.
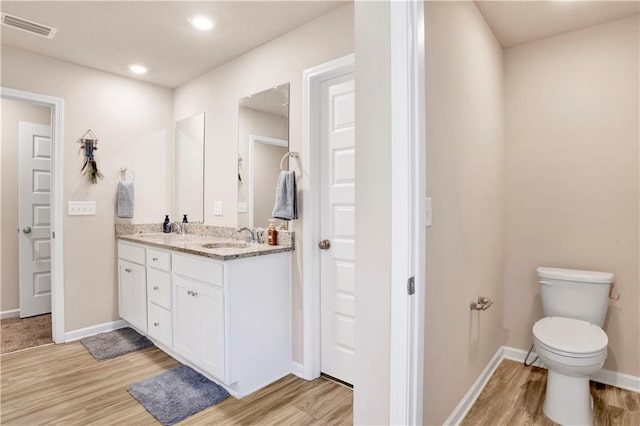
(125, 199)
(286, 206)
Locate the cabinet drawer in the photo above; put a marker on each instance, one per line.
(159, 287)
(159, 259)
(159, 326)
(131, 253)
(201, 270)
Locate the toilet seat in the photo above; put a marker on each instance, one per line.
(568, 337)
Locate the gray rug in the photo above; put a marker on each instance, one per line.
(112, 344)
(176, 394)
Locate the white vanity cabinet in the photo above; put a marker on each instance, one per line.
(159, 320)
(230, 320)
(132, 285)
(199, 325)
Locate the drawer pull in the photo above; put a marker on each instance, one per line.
(155, 259)
(128, 270)
(192, 293)
(155, 324)
(155, 287)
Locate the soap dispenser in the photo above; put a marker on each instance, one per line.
(166, 225)
(272, 234)
(184, 218)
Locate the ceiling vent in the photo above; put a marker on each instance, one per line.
(28, 26)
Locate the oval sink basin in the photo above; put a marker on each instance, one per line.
(239, 244)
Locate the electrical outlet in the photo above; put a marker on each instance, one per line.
(217, 208)
(81, 208)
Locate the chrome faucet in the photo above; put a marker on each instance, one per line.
(179, 228)
(251, 237)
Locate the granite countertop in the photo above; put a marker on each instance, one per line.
(193, 244)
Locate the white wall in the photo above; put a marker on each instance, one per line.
(373, 213)
(12, 113)
(217, 94)
(133, 121)
(465, 179)
(572, 136)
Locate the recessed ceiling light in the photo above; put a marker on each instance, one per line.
(137, 69)
(201, 22)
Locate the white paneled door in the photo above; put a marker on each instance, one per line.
(34, 242)
(337, 227)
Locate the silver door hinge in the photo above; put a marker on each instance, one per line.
(411, 285)
(53, 235)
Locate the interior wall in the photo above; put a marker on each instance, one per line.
(133, 121)
(12, 113)
(373, 213)
(465, 179)
(217, 94)
(254, 122)
(572, 122)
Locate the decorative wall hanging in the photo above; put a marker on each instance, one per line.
(89, 142)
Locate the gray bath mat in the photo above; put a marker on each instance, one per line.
(115, 343)
(176, 394)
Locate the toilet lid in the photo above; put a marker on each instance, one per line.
(570, 335)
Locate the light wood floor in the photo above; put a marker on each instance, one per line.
(63, 384)
(514, 396)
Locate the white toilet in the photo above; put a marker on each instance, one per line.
(570, 341)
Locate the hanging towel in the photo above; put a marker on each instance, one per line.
(286, 207)
(125, 199)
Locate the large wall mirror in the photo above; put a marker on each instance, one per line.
(263, 139)
(188, 169)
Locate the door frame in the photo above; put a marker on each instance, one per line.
(57, 200)
(312, 78)
(408, 211)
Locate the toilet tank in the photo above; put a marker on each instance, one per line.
(573, 293)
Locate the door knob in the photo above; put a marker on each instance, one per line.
(26, 230)
(324, 244)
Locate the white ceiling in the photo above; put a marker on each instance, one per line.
(518, 22)
(111, 35)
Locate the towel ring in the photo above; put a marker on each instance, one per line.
(123, 174)
(288, 154)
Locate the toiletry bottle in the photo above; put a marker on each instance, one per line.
(272, 234)
(166, 226)
(184, 218)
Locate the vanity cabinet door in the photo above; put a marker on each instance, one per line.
(198, 324)
(132, 294)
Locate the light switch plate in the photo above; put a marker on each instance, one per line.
(428, 212)
(217, 208)
(242, 207)
(81, 208)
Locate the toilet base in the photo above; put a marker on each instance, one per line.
(568, 400)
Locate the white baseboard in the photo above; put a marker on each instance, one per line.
(70, 336)
(607, 377)
(473, 393)
(297, 369)
(13, 313)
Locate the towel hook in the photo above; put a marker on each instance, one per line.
(123, 174)
(291, 154)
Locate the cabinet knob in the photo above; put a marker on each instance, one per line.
(324, 244)
(155, 324)
(194, 294)
(155, 287)
(155, 259)
(127, 270)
